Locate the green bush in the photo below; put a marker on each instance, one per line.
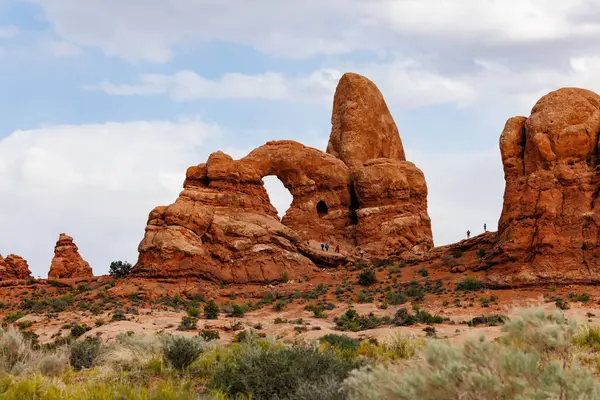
(423, 272)
(470, 284)
(342, 342)
(352, 321)
(489, 320)
(238, 311)
(188, 324)
(180, 351)
(276, 372)
(78, 330)
(211, 310)
(367, 278)
(208, 334)
(194, 312)
(120, 269)
(84, 354)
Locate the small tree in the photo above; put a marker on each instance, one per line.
(120, 269)
(211, 310)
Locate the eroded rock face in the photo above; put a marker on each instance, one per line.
(67, 262)
(392, 213)
(223, 227)
(390, 192)
(361, 192)
(548, 230)
(362, 126)
(14, 267)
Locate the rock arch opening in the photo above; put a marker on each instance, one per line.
(279, 196)
(322, 208)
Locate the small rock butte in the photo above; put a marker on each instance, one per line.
(14, 267)
(67, 262)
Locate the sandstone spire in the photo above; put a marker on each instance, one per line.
(67, 263)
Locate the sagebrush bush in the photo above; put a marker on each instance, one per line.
(180, 351)
(84, 354)
(16, 353)
(278, 372)
(531, 360)
(130, 352)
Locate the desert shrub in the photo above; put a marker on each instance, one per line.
(352, 321)
(489, 320)
(238, 311)
(317, 310)
(588, 337)
(78, 330)
(367, 277)
(130, 352)
(562, 304)
(481, 253)
(531, 361)
(423, 272)
(84, 354)
(276, 372)
(188, 324)
(342, 342)
(396, 299)
(470, 284)
(180, 351)
(120, 269)
(13, 317)
(118, 315)
(211, 310)
(193, 312)
(15, 351)
(208, 334)
(53, 364)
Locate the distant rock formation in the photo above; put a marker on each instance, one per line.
(363, 193)
(67, 263)
(14, 267)
(548, 230)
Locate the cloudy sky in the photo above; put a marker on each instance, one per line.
(106, 103)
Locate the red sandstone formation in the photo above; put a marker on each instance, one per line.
(391, 193)
(362, 127)
(548, 230)
(224, 228)
(13, 267)
(67, 263)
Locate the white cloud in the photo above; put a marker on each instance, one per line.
(95, 182)
(61, 48)
(465, 191)
(312, 27)
(188, 86)
(8, 32)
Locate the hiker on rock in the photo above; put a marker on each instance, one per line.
(362, 252)
(468, 234)
(485, 227)
(326, 246)
(322, 246)
(337, 248)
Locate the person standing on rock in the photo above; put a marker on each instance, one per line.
(362, 253)
(485, 227)
(322, 246)
(337, 248)
(468, 234)
(326, 246)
